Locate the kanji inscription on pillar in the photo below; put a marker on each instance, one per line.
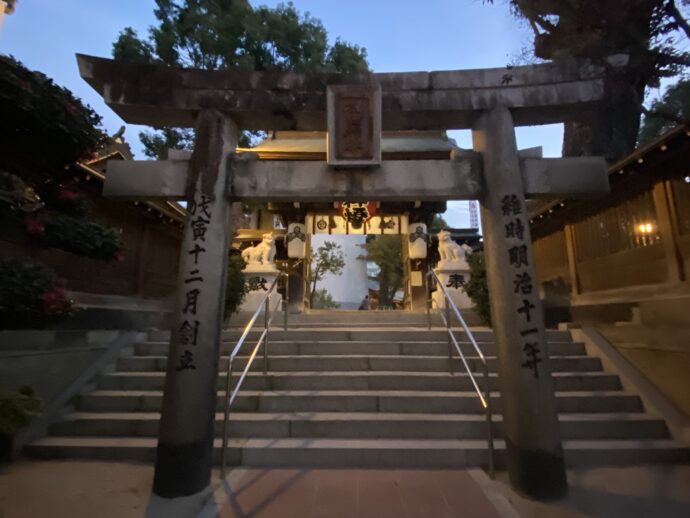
(513, 212)
(354, 125)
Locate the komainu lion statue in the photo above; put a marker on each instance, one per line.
(448, 249)
(263, 253)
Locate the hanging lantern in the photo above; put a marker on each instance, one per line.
(296, 240)
(418, 239)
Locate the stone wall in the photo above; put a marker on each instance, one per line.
(657, 342)
(49, 361)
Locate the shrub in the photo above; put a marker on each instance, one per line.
(39, 115)
(17, 409)
(477, 288)
(234, 285)
(30, 293)
(323, 300)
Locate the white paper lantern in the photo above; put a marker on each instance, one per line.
(418, 239)
(296, 240)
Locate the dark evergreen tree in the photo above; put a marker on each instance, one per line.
(673, 108)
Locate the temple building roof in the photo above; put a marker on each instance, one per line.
(395, 145)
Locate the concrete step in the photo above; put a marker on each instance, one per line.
(416, 348)
(358, 401)
(362, 453)
(391, 333)
(363, 380)
(353, 318)
(362, 425)
(340, 363)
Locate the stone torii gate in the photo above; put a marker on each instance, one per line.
(490, 102)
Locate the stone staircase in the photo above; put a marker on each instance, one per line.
(360, 389)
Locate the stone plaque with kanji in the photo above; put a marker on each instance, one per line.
(354, 125)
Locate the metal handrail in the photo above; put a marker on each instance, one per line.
(265, 306)
(485, 398)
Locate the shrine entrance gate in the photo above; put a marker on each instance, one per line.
(354, 110)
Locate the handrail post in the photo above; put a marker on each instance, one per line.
(286, 302)
(489, 419)
(228, 385)
(486, 398)
(429, 280)
(267, 309)
(450, 342)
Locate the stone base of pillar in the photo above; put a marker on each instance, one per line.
(536, 474)
(259, 279)
(453, 279)
(254, 299)
(181, 507)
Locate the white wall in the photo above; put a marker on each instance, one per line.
(349, 288)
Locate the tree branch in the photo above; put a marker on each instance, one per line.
(658, 113)
(545, 24)
(663, 114)
(675, 13)
(671, 59)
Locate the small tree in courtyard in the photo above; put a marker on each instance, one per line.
(438, 224)
(327, 259)
(234, 284)
(386, 252)
(324, 300)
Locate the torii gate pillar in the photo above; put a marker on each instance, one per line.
(530, 419)
(184, 456)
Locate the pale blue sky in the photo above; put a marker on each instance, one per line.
(399, 36)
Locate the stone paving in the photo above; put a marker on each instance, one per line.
(352, 493)
(661, 491)
(70, 489)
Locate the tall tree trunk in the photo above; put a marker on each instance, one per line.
(311, 294)
(384, 297)
(612, 130)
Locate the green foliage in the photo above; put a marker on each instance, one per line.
(15, 196)
(42, 123)
(437, 224)
(17, 409)
(57, 216)
(30, 293)
(234, 284)
(346, 58)
(80, 236)
(386, 252)
(156, 144)
(477, 288)
(214, 35)
(128, 47)
(323, 300)
(674, 105)
(328, 258)
(44, 129)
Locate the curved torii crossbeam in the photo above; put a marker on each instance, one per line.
(491, 102)
(163, 96)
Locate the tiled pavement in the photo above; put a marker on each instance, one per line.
(360, 493)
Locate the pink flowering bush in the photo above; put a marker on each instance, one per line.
(30, 294)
